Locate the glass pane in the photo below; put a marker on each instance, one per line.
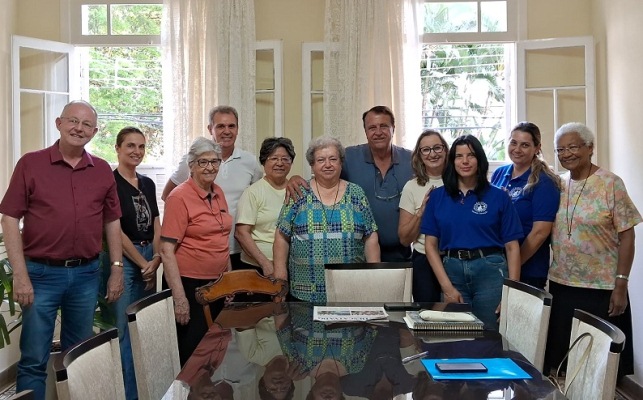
(31, 122)
(317, 105)
(136, 19)
(540, 109)
(450, 17)
(265, 116)
(565, 67)
(265, 70)
(44, 70)
(317, 70)
(493, 16)
(463, 92)
(125, 87)
(571, 106)
(94, 19)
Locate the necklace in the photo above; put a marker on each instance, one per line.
(219, 217)
(321, 200)
(570, 219)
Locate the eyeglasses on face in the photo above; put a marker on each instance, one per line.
(203, 163)
(284, 160)
(574, 148)
(86, 125)
(437, 149)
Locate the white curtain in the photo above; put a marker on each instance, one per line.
(372, 58)
(209, 60)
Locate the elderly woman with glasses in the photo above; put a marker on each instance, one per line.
(477, 228)
(592, 244)
(534, 189)
(428, 161)
(194, 240)
(331, 223)
(259, 205)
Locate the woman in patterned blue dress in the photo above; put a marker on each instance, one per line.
(331, 223)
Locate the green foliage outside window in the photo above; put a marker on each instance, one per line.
(125, 83)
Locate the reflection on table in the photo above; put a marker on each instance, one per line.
(277, 351)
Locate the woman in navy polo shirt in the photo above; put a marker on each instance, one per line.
(534, 189)
(474, 225)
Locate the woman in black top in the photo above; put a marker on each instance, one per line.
(141, 229)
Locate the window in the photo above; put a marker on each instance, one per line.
(121, 73)
(464, 88)
(466, 64)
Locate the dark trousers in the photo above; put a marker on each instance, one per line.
(190, 334)
(426, 287)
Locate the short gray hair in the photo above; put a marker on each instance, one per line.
(582, 130)
(200, 146)
(321, 143)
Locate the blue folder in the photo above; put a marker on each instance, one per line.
(497, 368)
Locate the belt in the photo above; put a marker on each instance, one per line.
(69, 263)
(472, 254)
(142, 243)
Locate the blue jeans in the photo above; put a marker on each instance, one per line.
(134, 289)
(479, 282)
(74, 291)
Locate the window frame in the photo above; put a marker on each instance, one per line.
(511, 35)
(71, 18)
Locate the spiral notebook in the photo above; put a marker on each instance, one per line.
(444, 321)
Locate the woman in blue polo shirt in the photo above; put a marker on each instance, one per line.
(534, 189)
(474, 225)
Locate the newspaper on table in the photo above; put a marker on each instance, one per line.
(349, 314)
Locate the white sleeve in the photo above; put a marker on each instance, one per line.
(182, 171)
(257, 172)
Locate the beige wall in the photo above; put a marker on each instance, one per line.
(39, 19)
(294, 22)
(619, 33)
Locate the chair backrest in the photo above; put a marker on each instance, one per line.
(23, 395)
(369, 282)
(152, 333)
(524, 319)
(91, 369)
(597, 374)
(246, 281)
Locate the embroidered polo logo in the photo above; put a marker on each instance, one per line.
(514, 193)
(480, 207)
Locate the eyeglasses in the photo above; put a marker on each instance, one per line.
(572, 149)
(203, 163)
(86, 125)
(382, 187)
(284, 160)
(437, 149)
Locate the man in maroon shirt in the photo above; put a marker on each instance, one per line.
(66, 197)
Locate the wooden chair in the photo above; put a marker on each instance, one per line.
(154, 344)
(91, 369)
(231, 283)
(597, 373)
(369, 282)
(524, 319)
